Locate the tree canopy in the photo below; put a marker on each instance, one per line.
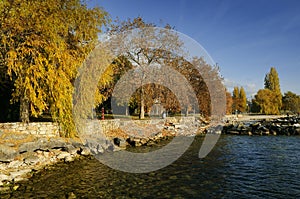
(272, 83)
(42, 45)
(239, 99)
(269, 100)
(146, 47)
(291, 102)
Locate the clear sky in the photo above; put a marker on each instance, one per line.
(245, 37)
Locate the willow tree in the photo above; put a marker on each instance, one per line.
(44, 42)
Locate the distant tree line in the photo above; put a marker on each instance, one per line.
(267, 101)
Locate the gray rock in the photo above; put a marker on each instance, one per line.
(57, 143)
(32, 160)
(7, 153)
(85, 151)
(42, 144)
(28, 147)
(120, 142)
(107, 146)
(63, 155)
(100, 149)
(111, 148)
(15, 164)
(123, 144)
(94, 146)
(71, 149)
(69, 158)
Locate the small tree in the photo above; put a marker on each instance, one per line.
(239, 99)
(235, 98)
(242, 100)
(291, 102)
(229, 103)
(267, 102)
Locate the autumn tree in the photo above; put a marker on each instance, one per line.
(145, 48)
(119, 66)
(272, 83)
(207, 85)
(44, 42)
(291, 102)
(267, 102)
(239, 99)
(243, 100)
(229, 103)
(157, 93)
(235, 98)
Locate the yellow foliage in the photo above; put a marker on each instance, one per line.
(45, 43)
(267, 100)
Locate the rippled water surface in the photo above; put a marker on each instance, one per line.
(238, 167)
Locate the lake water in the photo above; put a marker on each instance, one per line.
(238, 167)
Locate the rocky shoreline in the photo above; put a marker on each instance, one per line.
(287, 126)
(153, 134)
(22, 155)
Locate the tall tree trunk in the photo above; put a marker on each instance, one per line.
(24, 109)
(142, 109)
(187, 111)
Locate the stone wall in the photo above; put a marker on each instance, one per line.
(108, 125)
(34, 128)
(52, 129)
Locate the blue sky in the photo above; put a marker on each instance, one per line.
(244, 37)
